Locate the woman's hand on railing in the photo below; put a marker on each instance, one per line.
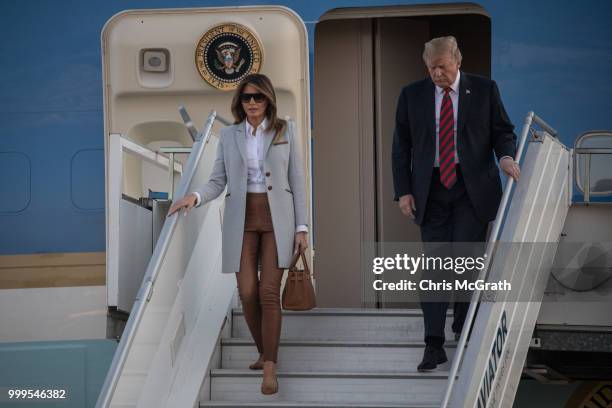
(187, 202)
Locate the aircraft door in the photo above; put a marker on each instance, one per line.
(155, 61)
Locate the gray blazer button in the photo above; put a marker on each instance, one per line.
(269, 188)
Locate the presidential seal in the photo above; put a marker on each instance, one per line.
(227, 53)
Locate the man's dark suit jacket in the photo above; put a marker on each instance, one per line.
(483, 127)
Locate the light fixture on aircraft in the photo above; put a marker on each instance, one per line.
(155, 60)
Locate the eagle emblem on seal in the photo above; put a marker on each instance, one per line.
(228, 58)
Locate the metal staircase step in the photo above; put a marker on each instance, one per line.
(333, 355)
(291, 404)
(347, 324)
(331, 387)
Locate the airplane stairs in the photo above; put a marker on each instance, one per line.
(186, 345)
(332, 358)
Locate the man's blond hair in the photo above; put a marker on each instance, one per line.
(442, 45)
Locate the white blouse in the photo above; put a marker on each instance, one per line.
(256, 182)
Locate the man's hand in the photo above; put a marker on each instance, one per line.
(407, 205)
(510, 168)
(300, 242)
(186, 202)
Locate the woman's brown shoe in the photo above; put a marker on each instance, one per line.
(269, 384)
(258, 365)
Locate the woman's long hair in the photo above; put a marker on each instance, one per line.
(263, 84)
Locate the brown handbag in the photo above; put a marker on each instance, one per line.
(298, 293)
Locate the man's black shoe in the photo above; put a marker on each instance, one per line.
(431, 358)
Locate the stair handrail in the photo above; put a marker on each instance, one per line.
(146, 288)
(493, 237)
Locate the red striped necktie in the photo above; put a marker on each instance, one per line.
(448, 175)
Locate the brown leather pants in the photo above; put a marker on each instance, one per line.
(260, 297)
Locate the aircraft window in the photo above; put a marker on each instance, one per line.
(601, 164)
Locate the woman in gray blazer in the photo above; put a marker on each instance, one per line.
(260, 162)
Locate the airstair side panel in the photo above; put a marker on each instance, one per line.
(526, 313)
(494, 358)
(170, 313)
(204, 295)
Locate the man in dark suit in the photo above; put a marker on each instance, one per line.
(448, 128)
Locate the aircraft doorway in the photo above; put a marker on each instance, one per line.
(362, 59)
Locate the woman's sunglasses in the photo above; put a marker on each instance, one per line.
(258, 97)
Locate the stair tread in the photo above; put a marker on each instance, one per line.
(308, 404)
(240, 341)
(349, 312)
(229, 372)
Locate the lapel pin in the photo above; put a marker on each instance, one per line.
(467, 91)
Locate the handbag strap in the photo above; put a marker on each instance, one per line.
(294, 261)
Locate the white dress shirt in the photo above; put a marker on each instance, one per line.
(255, 145)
